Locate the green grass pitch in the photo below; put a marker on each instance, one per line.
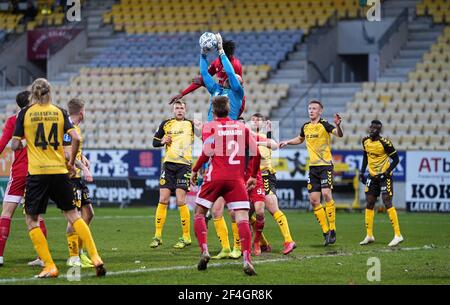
(123, 236)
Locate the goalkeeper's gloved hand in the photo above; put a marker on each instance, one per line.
(363, 178)
(219, 44)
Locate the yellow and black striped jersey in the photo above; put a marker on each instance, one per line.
(378, 153)
(182, 134)
(317, 138)
(68, 141)
(266, 156)
(43, 127)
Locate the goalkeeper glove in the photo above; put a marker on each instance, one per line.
(219, 44)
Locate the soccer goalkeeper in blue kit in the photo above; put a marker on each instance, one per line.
(232, 88)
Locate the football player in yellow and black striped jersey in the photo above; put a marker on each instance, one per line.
(377, 154)
(177, 135)
(43, 126)
(317, 134)
(77, 257)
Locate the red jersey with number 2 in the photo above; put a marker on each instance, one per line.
(225, 141)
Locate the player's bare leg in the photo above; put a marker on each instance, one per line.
(272, 206)
(201, 232)
(160, 217)
(319, 212)
(369, 217)
(246, 239)
(331, 213)
(185, 219)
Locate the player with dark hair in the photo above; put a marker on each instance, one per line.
(231, 87)
(16, 185)
(377, 152)
(216, 68)
(225, 142)
(317, 133)
(177, 136)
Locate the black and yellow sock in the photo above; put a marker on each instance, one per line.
(282, 222)
(392, 212)
(83, 231)
(331, 214)
(370, 215)
(236, 239)
(222, 232)
(72, 242)
(321, 217)
(160, 219)
(41, 246)
(185, 217)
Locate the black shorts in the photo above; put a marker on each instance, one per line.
(320, 177)
(175, 176)
(270, 183)
(375, 186)
(40, 188)
(82, 192)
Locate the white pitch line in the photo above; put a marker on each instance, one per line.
(256, 262)
(98, 217)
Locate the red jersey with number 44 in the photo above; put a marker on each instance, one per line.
(225, 141)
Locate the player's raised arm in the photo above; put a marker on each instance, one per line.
(235, 84)
(294, 141)
(338, 130)
(208, 80)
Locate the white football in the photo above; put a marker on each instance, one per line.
(207, 41)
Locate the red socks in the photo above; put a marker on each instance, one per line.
(201, 232)
(5, 225)
(246, 239)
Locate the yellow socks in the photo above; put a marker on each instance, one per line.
(281, 219)
(41, 246)
(331, 214)
(237, 241)
(185, 217)
(72, 241)
(394, 220)
(319, 212)
(370, 215)
(83, 231)
(222, 232)
(160, 219)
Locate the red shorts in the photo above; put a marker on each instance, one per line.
(234, 193)
(257, 194)
(15, 189)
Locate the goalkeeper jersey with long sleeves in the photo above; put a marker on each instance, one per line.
(235, 93)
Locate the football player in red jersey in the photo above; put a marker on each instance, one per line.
(225, 143)
(16, 184)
